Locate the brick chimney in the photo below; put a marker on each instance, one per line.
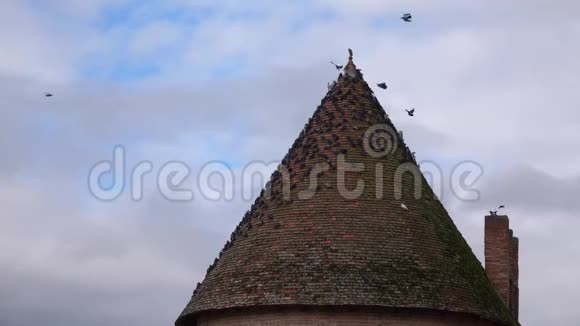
(515, 273)
(501, 260)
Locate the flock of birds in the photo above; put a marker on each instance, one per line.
(381, 85)
(407, 17)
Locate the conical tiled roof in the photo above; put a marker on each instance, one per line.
(340, 249)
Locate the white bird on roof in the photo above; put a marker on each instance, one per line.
(403, 206)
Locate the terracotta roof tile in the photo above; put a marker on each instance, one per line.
(328, 250)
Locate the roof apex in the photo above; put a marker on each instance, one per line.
(350, 68)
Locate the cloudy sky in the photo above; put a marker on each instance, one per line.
(494, 82)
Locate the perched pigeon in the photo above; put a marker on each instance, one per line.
(350, 52)
(47, 95)
(382, 85)
(495, 212)
(338, 67)
(407, 17)
(411, 112)
(403, 206)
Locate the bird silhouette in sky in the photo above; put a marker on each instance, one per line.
(338, 67)
(407, 17)
(382, 85)
(411, 112)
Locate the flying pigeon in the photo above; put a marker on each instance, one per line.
(403, 206)
(338, 67)
(406, 17)
(382, 85)
(47, 95)
(500, 207)
(411, 112)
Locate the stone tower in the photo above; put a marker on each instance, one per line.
(346, 232)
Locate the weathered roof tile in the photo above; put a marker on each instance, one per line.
(328, 250)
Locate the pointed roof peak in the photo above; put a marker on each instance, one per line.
(350, 68)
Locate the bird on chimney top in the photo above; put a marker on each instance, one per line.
(494, 213)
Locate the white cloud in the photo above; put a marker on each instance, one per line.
(154, 37)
